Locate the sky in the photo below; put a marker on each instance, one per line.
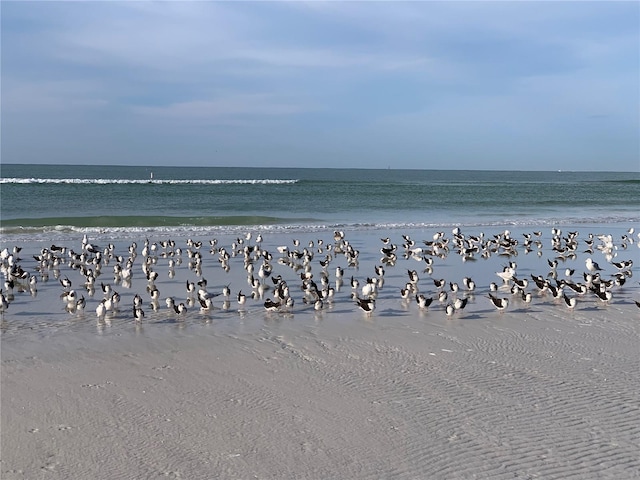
(541, 85)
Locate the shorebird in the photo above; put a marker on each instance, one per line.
(366, 305)
(460, 303)
(592, 266)
(506, 274)
(241, 298)
(604, 295)
(101, 309)
(138, 313)
(439, 283)
(80, 304)
(171, 304)
(206, 304)
(423, 302)
(289, 303)
(469, 284)
(271, 306)
(570, 302)
(500, 303)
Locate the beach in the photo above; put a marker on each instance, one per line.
(537, 390)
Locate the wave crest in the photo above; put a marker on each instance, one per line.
(109, 181)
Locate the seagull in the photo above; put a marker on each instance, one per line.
(500, 303)
(591, 265)
(506, 274)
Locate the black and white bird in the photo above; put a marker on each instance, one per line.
(423, 301)
(449, 309)
(500, 303)
(271, 306)
(460, 303)
(469, 284)
(570, 302)
(367, 305)
(241, 298)
(138, 313)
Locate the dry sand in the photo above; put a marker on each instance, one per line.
(537, 391)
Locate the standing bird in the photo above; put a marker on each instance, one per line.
(241, 298)
(423, 302)
(500, 303)
(570, 302)
(460, 303)
(101, 309)
(592, 266)
(138, 313)
(469, 284)
(367, 305)
(80, 304)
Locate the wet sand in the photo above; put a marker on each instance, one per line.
(538, 390)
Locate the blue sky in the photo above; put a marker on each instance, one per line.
(449, 85)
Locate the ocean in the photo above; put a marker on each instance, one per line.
(48, 202)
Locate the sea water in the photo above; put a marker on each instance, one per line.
(49, 202)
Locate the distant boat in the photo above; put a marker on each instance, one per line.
(151, 178)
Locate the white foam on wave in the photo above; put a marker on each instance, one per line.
(66, 232)
(109, 181)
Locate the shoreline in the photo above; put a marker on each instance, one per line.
(536, 390)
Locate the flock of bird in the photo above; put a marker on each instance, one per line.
(103, 271)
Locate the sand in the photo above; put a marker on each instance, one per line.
(536, 391)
